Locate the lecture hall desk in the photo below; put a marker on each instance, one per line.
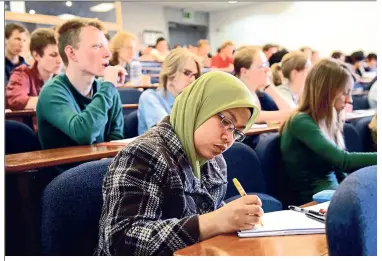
(232, 245)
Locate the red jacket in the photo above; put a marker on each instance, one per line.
(25, 82)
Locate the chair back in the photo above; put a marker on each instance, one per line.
(352, 138)
(269, 153)
(362, 126)
(351, 220)
(71, 208)
(129, 95)
(360, 102)
(131, 125)
(243, 164)
(20, 138)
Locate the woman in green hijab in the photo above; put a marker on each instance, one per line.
(165, 190)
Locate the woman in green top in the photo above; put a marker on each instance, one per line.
(312, 144)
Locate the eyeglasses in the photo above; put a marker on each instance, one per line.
(263, 65)
(238, 135)
(189, 74)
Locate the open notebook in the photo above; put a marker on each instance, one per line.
(287, 222)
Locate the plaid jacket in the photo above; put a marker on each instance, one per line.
(151, 198)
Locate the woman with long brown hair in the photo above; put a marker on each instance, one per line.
(312, 144)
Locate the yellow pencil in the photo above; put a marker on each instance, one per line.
(242, 192)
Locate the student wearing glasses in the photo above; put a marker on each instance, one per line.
(179, 69)
(294, 66)
(252, 67)
(312, 144)
(165, 190)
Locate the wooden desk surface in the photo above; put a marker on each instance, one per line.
(257, 131)
(130, 106)
(20, 113)
(232, 245)
(54, 157)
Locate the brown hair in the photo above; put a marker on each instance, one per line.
(268, 46)
(41, 38)
(324, 82)
(175, 62)
(276, 77)
(337, 55)
(291, 61)
(69, 33)
(243, 58)
(226, 44)
(9, 28)
(117, 43)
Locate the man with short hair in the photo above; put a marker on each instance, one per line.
(224, 59)
(75, 108)
(269, 49)
(15, 38)
(26, 82)
(371, 61)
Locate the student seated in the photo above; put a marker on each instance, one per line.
(294, 67)
(371, 62)
(26, 82)
(178, 70)
(252, 68)
(165, 190)
(74, 108)
(202, 51)
(15, 39)
(312, 144)
(224, 59)
(123, 48)
(160, 51)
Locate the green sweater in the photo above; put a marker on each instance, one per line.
(67, 118)
(312, 163)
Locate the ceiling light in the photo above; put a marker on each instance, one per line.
(104, 7)
(232, 2)
(68, 3)
(32, 12)
(67, 16)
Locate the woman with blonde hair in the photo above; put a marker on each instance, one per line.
(312, 144)
(179, 69)
(123, 48)
(294, 67)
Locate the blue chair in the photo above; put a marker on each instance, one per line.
(131, 125)
(352, 138)
(360, 102)
(243, 164)
(129, 95)
(71, 208)
(269, 153)
(362, 126)
(19, 138)
(351, 220)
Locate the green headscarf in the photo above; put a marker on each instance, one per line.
(210, 94)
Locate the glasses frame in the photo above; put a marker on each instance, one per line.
(238, 135)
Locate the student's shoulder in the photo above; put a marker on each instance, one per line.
(148, 95)
(300, 121)
(149, 147)
(57, 83)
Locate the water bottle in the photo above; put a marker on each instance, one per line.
(135, 72)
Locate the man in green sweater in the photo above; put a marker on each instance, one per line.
(74, 108)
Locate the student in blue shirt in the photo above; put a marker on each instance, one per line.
(179, 69)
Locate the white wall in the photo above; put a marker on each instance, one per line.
(325, 26)
(138, 17)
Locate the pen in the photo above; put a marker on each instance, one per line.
(242, 192)
(305, 210)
